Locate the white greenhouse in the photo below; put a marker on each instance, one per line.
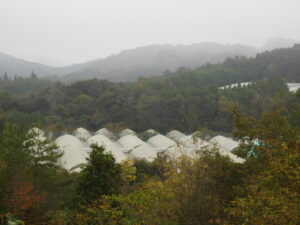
(161, 143)
(126, 132)
(130, 141)
(109, 146)
(151, 131)
(293, 87)
(82, 133)
(233, 157)
(143, 151)
(74, 152)
(106, 132)
(224, 142)
(194, 142)
(175, 135)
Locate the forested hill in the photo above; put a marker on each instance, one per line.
(280, 63)
(22, 68)
(185, 100)
(151, 60)
(157, 59)
(130, 64)
(143, 61)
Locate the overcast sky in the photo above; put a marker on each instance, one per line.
(60, 32)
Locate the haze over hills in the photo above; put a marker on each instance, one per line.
(23, 68)
(144, 61)
(155, 59)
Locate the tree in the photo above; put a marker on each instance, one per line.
(25, 158)
(5, 77)
(33, 75)
(100, 176)
(271, 193)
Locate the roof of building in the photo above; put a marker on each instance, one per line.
(177, 144)
(160, 141)
(143, 152)
(74, 152)
(109, 146)
(104, 131)
(224, 142)
(175, 135)
(195, 143)
(82, 133)
(130, 141)
(126, 131)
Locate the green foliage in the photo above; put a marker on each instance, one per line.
(185, 100)
(146, 170)
(31, 181)
(21, 86)
(100, 176)
(271, 192)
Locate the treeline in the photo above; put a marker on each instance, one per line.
(209, 189)
(17, 85)
(186, 100)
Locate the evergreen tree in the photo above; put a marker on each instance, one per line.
(5, 77)
(101, 176)
(33, 75)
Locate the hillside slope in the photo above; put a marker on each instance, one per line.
(156, 59)
(143, 61)
(23, 68)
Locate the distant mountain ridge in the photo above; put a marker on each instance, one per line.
(144, 61)
(155, 59)
(23, 68)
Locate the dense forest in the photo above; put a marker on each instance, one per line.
(187, 100)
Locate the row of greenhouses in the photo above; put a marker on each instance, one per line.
(127, 144)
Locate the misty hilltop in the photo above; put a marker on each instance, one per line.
(143, 61)
(23, 68)
(156, 59)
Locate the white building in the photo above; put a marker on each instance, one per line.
(175, 135)
(109, 146)
(82, 133)
(161, 143)
(106, 132)
(224, 142)
(126, 132)
(74, 152)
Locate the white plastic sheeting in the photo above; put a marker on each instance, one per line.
(82, 133)
(130, 141)
(151, 131)
(233, 157)
(126, 132)
(110, 146)
(194, 142)
(176, 152)
(175, 135)
(106, 132)
(161, 143)
(243, 84)
(74, 152)
(224, 142)
(293, 87)
(143, 152)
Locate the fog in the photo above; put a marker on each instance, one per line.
(61, 32)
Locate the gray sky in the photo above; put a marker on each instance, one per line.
(60, 32)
